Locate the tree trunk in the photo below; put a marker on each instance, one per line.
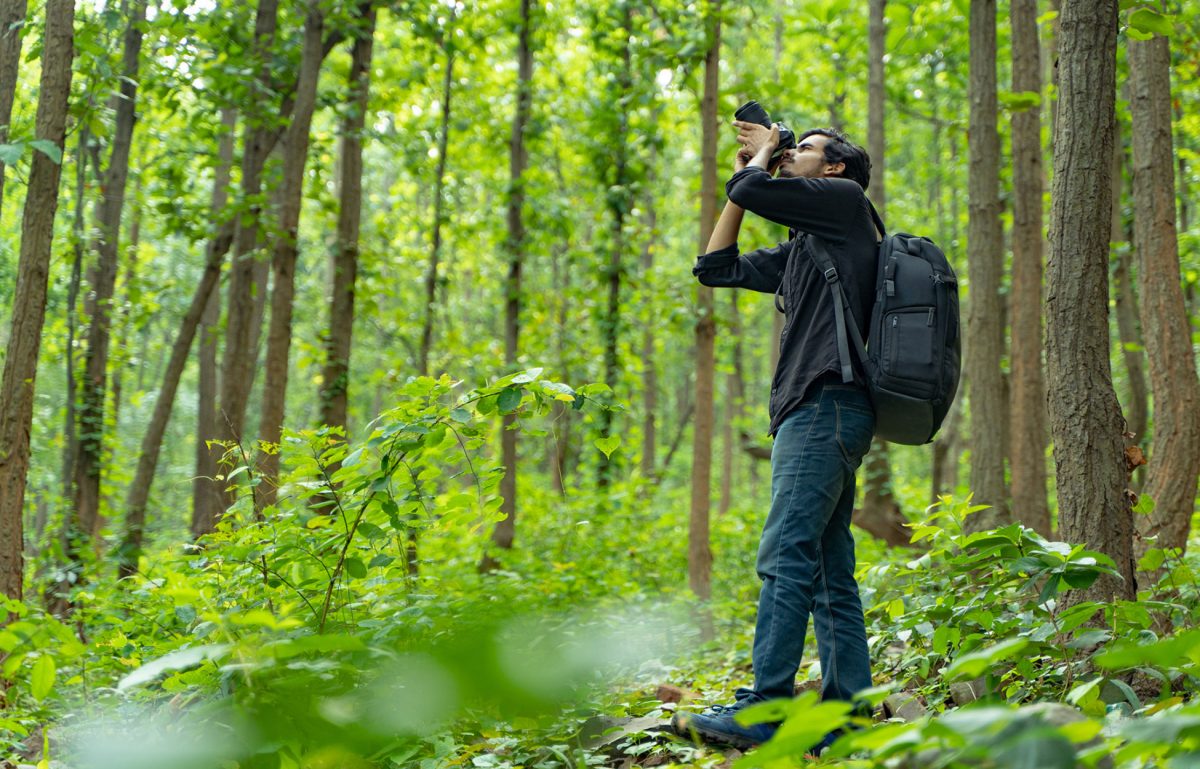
(1027, 407)
(439, 181)
(649, 345)
(879, 513)
(518, 158)
(619, 204)
(1085, 418)
(1136, 416)
(29, 296)
(699, 550)
(1174, 461)
(103, 276)
(206, 500)
(336, 377)
(283, 260)
(12, 29)
(731, 410)
(984, 264)
(202, 304)
(237, 359)
(77, 248)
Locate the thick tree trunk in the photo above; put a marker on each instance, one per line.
(139, 491)
(1085, 418)
(1136, 415)
(518, 158)
(29, 296)
(439, 181)
(699, 549)
(283, 260)
(1027, 407)
(335, 378)
(89, 459)
(984, 264)
(1174, 461)
(12, 29)
(206, 500)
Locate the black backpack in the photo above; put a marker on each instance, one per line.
(913, 350)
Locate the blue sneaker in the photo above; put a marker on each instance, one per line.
(717, 725)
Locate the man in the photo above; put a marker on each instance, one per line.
(821, 425)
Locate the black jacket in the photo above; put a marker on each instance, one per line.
(838, 212)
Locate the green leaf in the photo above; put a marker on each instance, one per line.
(1145, 505)
(1019, 101)
(11, 153)
(1151, 22)
(976, 663)
(41, 681)
(356, 568)
(525, 377)
(509, 400)
(1170, 652)
(49, 149)
(608, 445)
(460, 415)
(176, 660)
(1153, 559)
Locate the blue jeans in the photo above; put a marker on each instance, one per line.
(806, 557)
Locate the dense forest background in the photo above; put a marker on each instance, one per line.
(359, 405)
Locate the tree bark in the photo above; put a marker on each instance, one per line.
(439, 182)
(1136, 415)
(206, 500)
(1085, 418)
(12, 29)
(731, 410)
(29, 296)
(89, 458)
(518, 158)
(77, 249)
(335, 378)
(649, 344)
(283, 260)
(984, 263)
(1027, 407)
(699, 549)
(1174, 461)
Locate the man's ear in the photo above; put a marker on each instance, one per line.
(835, 169)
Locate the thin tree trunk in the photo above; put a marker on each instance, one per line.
(649, 344)
(1174, 461)
(335, 379)
(283, 261)
(12, 30)
(1085, 418)
(731, 410)
(699, 549)
(128, 287)
(439, 181)
(89, 459)
(984, 261)
(1136, 416)
(29, 296)
(505, 530)
(619, 203)
(1027, 407)
(202, 304)
(77, 248)
(206, 500)
(237, 360)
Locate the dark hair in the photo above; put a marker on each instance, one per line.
(839, 149)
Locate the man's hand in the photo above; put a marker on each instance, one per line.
(742, 157)
(757, 139)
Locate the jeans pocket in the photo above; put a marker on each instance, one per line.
(854, 430)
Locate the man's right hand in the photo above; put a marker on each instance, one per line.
(741, 158)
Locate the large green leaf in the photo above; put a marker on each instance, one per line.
(976, 663)
(41, 680)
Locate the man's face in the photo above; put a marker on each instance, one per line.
(807, 159)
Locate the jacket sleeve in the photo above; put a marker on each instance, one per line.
(760, 270)
(825, 207)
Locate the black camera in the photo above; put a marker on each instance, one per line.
(753, 112)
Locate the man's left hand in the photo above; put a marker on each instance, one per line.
(756, 138)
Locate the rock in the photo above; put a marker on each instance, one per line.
(963, 692)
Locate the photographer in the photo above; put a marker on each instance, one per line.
(822, 425)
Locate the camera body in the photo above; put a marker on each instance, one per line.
(753, 112)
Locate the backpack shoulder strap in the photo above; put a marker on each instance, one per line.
(841, 308)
